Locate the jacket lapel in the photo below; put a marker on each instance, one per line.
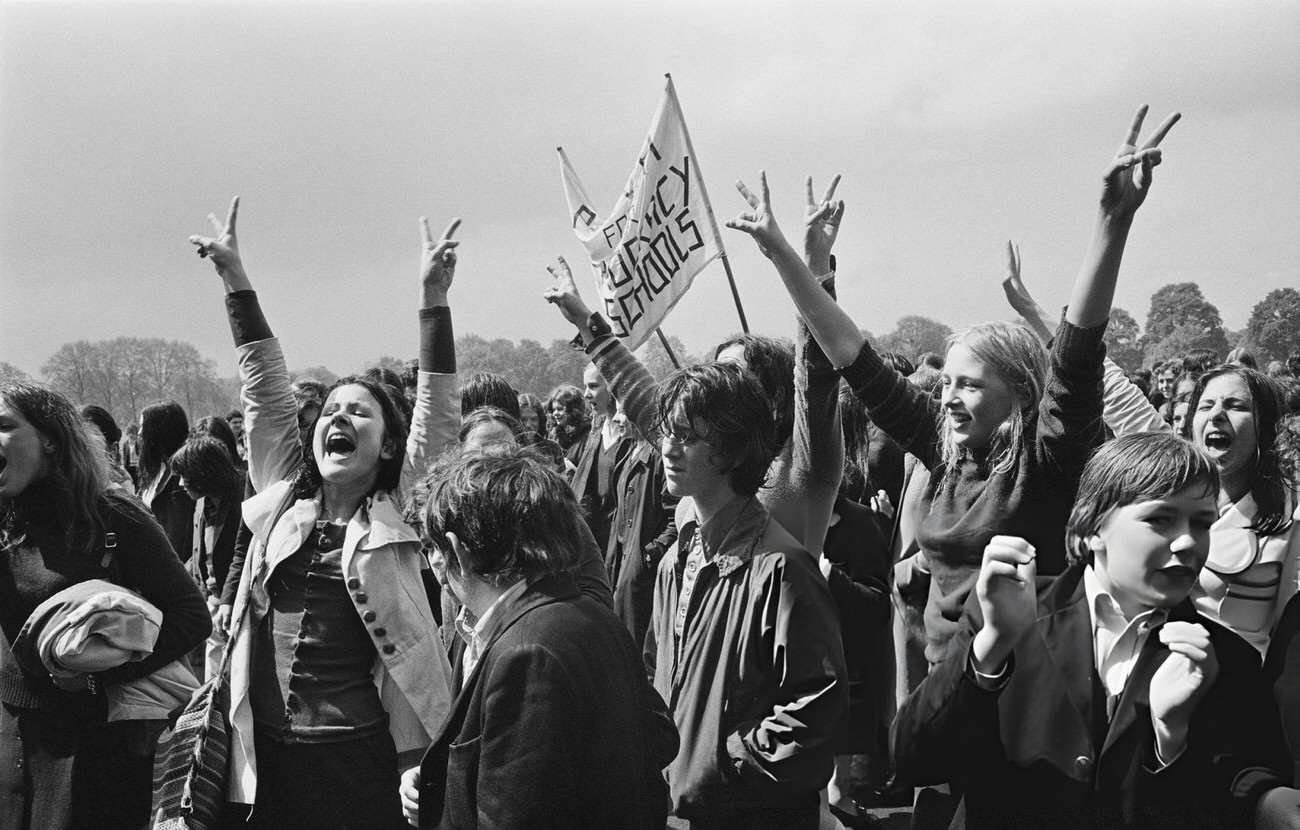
(1067, 633)
(545, 591)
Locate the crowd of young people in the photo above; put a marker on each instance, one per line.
(646, 603)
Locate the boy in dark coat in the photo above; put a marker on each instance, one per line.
(1102, 699)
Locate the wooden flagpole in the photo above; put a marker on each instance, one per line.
(708, 207)
(667, 348)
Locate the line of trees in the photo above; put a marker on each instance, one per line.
(127, 373)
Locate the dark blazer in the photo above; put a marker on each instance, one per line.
(556, 726)
(1040, 753)
(641, 530)
(859, 583)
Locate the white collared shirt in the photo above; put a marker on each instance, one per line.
(1116, 641)
(472, 630)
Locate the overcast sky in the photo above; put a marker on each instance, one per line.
(956, 126)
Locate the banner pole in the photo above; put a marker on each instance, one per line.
(708, 206)
(667, 348)
(726, 264)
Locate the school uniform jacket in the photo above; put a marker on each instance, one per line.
(1040, 753)
(556, 726)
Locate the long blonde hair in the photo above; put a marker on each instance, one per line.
(1020, 360)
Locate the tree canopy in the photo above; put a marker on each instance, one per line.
(1273, 331)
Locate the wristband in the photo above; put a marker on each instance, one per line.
(596, 326)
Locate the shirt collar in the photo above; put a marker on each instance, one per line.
(472, 629)
(1105, 612)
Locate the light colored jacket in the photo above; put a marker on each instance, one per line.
(381, 559)
(94, 626)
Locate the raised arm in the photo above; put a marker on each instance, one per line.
(802, 488)
(435, 419)
(629, 381)
(1124, 187)
(909, 416)
(1124, 408)
(838, 335)
(270, 412)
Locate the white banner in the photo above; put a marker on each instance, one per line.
(659, 235)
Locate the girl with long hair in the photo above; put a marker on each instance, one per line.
(62, 764)
(209, 475)
(163, 429)
(338, 676)
(1014, 426)
(1238, 416)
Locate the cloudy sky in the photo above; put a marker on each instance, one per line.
(956, 126)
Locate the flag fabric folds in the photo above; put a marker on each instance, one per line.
(659, 234)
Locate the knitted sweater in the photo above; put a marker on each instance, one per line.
(967, 505)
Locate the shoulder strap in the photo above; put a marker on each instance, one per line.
(238, 622)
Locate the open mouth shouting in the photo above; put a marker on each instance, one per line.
(339, 445)
(1216, 441)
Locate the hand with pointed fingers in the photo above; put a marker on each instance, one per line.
(758, 221)
(1128, 178)
(1187, 671)
(224, 247)
(1008, 598)
(821, 226)
(564, 294)
(437, 263)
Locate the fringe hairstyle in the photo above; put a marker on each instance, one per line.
(729, 401)
(1274, 483)
(1133, 468)
(307, 478)
(1020, 360)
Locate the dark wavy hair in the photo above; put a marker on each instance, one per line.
(1275, 475)
(727, 402)
(570, 397)
(1200, 361)
(206, 465)
(307, 479)
(77, 475)
(102, 420)
(487, 389)
(214, 426)
(163, 428)
(1133, 468)
(530, 402)
(855, 427)
(771, 360)
(516, 516)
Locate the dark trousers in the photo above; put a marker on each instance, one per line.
(67, 768)
(804, 815)
(348, 785)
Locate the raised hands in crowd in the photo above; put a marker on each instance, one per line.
(701, 627)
